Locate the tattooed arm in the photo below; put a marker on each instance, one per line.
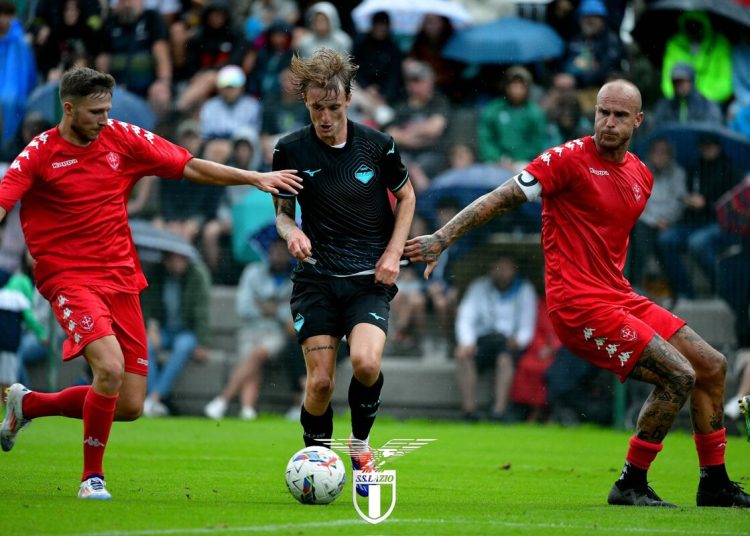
(499, 201)
(297, 241)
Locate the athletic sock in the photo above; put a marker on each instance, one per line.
(316, 427)
(637, 463)
(98, 414)
(711, 449)
(364, 403)
(65, 403)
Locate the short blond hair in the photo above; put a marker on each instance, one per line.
(325, 69)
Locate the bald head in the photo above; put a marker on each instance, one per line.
(625, 91)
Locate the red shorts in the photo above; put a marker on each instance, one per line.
(87, 314)
(613, 336)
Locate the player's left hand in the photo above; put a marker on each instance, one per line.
(274, 181)
(387, 268)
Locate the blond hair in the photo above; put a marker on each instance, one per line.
(325, 69)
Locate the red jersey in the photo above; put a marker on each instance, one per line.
(589, 206)
(74, 203)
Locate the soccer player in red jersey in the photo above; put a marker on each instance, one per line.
(593, 190)
(73, 182)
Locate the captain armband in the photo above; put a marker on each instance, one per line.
(528, 185)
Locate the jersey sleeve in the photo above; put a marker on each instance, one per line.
(281, 161)
(18, 178)
(550, 167)
(394, 171)
(152, 154)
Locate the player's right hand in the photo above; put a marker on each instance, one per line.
(298, 244)
(283, 180)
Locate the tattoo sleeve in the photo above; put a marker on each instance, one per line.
(285, 213)
(502, 199)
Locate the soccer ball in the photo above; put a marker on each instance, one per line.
(315, 475)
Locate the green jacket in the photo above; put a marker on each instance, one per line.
(516, 132)
(196, 295)
(711, 59)
(23, 284)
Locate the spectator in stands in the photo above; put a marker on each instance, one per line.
(512, 129)
(272, 58)
(687, 105)
(698, 231)
(663, 209)
(561, 16)
(420, 122)
(216, 233)
(186, 206)
(231, 109)
(495, 323)
(64, 33)
(33, 123)
(214, 44)
(263, 305)
(379, 58)
(175, 307)
(699, 44)
(568, 121)
(529, 389)
(283, 112)
(267, 11)
(136, 53)
(595, 52)
(427, 47)
(325, 31)
(16, 311)
(18, 72)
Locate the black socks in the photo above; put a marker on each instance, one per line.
(364, 403)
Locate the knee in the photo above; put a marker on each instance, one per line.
(320, 386)
(683, 381)
(111, 373)
(128, 411)
(715, 370)
(366, 368)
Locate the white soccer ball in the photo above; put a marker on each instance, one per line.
(315, 475)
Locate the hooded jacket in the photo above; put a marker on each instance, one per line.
(711, 58)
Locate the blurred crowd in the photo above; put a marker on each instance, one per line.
(213, 76)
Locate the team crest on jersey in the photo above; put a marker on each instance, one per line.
(86, 322)
(637, 192)
(364, 174)
(113, 159)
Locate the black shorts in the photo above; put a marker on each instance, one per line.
(489, 347)
(327, 305)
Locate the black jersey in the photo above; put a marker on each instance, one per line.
(346, 212)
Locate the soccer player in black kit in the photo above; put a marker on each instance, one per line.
(348, 226)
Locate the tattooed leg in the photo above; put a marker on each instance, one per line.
(673, 379)
(707, 400)
(320, 360)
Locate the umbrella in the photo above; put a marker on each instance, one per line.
(659, 21)
(151, 240)
(126, 106)
(506, 40)
(464, 185)
(684, 138)
(406, 15)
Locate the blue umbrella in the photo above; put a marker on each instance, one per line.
(504, 41)
(126, 106)
(684, 137)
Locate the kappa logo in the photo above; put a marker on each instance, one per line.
(364, 174)
(379, 483)
(93, 442)
(142, 361)
(65, 163)
(600, 172)
(113, 159)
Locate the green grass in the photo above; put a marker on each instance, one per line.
(194, 476)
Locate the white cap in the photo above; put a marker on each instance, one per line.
(230, 76)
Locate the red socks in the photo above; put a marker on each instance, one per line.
(98, 413)
(711, 447)
(65, 403)
(642, 453)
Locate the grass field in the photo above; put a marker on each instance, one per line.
(193, 476)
